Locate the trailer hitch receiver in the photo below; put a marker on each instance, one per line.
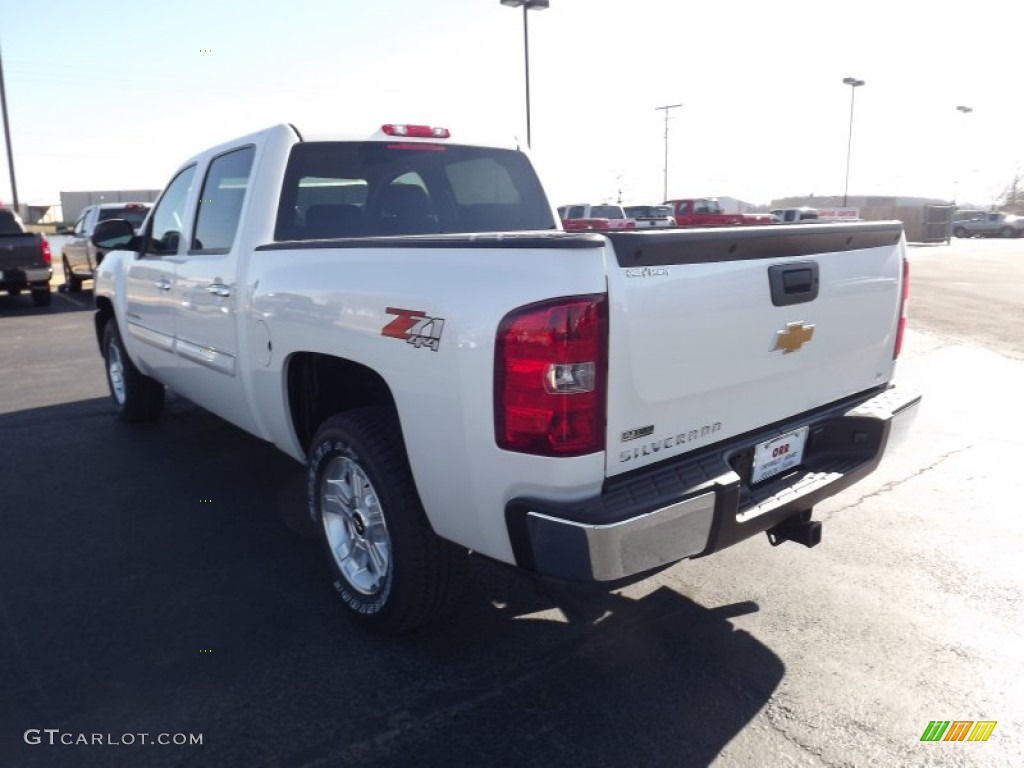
(799, 528)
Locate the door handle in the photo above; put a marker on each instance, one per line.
(794, 283)
(219, 289)
(163, 284)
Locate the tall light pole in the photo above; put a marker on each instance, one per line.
(7, 139)
(965, 111)
(527, 5)
(665, 109)
(854, 84)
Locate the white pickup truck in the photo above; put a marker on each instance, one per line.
(401, 312)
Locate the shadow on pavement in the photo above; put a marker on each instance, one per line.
(151, 582)
(60, 302)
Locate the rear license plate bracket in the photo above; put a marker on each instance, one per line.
(772, 457)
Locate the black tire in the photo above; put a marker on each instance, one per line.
(14, 291)
(41, 296)
(959, 232)
(138, 398)
(73, 283)
(1008, 232)
(423, 576)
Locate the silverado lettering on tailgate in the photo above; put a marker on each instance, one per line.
(667, 443)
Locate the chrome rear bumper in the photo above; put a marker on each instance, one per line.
(703, 502)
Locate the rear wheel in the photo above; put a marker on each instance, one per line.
(959, 232)
(1009, 232)
(41, 296)
(392, 572)
(14, 291)
(138, 398)
(73, 283)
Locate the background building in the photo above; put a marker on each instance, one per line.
(38, 213)
(72, 203)
(925, 219)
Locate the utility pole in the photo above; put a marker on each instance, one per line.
(665, 109)
(7, 138)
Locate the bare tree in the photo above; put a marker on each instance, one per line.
(1012, 199)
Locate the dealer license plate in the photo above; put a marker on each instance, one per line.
(778, 454)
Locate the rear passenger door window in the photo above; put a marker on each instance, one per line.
(220, 202)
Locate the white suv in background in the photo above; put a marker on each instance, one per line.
(647, 216)
(585, 217)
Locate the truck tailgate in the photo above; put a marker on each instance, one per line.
(713, 333)
(20, 250)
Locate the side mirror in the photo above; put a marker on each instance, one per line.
(114, 235)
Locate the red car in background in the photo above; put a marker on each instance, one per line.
(707, 212)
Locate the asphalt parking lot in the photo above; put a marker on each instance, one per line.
(163, 580)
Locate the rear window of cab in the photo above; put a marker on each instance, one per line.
(369, 189)
(134, 214)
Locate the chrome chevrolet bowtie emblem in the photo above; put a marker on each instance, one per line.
(794, 337)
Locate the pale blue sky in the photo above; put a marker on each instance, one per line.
(115, 96)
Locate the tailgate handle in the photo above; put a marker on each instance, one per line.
(794, 283)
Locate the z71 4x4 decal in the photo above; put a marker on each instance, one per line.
(414, 327)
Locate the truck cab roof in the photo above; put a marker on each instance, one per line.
(322, 132)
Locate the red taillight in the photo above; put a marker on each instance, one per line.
(44, 250)
(418, 131)
(550, 377)
(905, 294)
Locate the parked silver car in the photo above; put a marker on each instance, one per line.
(79, 257)
(795, 215)
(990, 224)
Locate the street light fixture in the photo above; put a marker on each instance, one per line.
(854, 84)
(527, 5)
(965, 111)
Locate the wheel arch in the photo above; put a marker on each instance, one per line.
(320, 385)
(104, 312)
